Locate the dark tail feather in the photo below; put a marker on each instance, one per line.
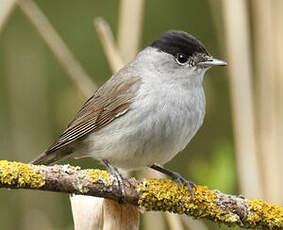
(45, 159)
(49, 158)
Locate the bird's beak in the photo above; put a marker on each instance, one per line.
(211, 61)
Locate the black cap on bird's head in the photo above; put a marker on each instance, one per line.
(176, 42)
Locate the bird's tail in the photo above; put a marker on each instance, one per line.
(51, 157)
(45, 158)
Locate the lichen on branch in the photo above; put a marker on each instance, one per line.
(148, 194)
(20, 175)
(165, 195)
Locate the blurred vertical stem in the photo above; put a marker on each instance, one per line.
(63, 54)
(130, 28)
(266, 35)
(109, 45)
(277, 10)
(6, 7)
(236, 24)
(173, 222)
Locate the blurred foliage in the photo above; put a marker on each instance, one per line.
(222, 163)
(37, 98)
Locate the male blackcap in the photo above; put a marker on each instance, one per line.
(144, 114)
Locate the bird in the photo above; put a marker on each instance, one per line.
(144, 114)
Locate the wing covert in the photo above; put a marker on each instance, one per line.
(109, 102)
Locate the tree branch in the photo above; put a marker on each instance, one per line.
(148, 194)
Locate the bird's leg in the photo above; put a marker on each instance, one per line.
(118, 177)
(176, 177)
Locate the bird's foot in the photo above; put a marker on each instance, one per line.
(181, 180)
(118, 178)
(176, 177)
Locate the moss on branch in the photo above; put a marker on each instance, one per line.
(148, 194)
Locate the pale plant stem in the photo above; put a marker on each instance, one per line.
(6, 7)
(87, 212)
(173, 222)
(239, 59)
(130, 28)
(63, 54)
(108, 43)
(267, 96)
(278, 60)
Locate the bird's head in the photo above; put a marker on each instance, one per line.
(181, 55)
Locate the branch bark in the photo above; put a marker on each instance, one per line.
(147, 194)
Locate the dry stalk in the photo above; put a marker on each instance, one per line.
(63, 54)
(240, 71)
(6, 7)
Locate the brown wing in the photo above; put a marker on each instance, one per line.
(108, 103)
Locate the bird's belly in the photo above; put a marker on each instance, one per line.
(141, 139)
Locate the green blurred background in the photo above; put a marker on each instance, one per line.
(37, 97)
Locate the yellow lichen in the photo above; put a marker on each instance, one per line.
(165, 195)
(19, 174)
(97, 174)
(159, 195)
(263, 212)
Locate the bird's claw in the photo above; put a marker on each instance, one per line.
(182, 181)
(176, 177)
(118, 178)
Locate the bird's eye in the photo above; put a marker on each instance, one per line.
(181, 59)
